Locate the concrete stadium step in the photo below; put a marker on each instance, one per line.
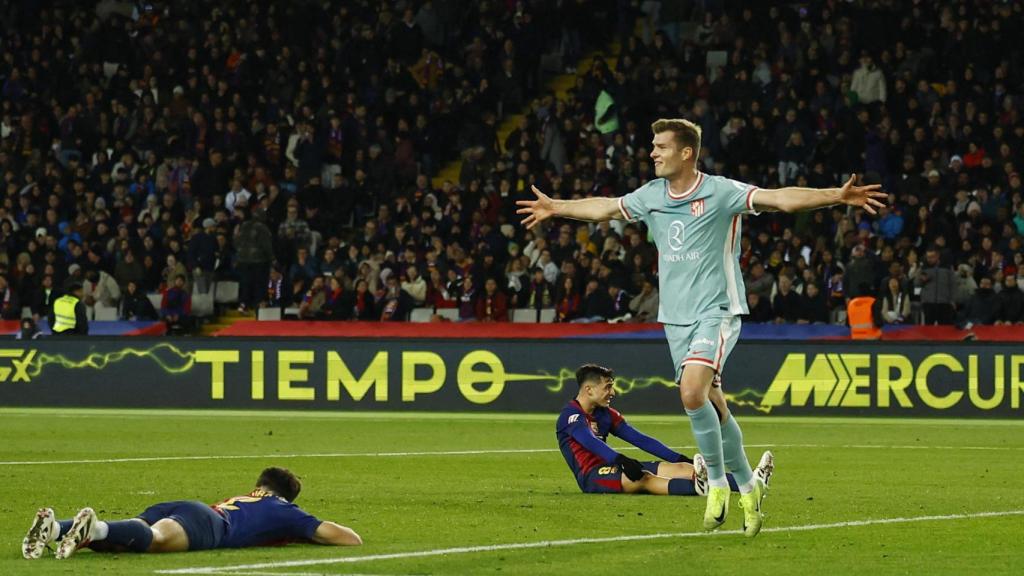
(559, 84)
(224, 320)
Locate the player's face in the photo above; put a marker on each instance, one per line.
(667, 154)
(603, 392)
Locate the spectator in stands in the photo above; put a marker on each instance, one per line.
(363, 304)
(10, 308)
(644, 306)
(860, 273)
(393, 303)
(255, 253)
(1009, 303)
(135, 305)
(202, 255)
(279, 291)
(786, 304)
(302, 271)
(813, 306)
(596, 305)
(760, 309)
(337, 300)
(759, 281)
(101, 288)
(176, 306)
(981, 308)
(42, 298)
(868, 81)
(313, 300)
(895, 303)
(937, 289)
(414, 285)
(492, 304)
(620, 303)
(568, 301)
(538, 293)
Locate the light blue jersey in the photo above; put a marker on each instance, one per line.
(698, 236)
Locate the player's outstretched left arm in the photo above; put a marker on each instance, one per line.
(794, 199)
(646, 443)
(331, 534)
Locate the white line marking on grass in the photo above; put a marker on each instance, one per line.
(553, 543)
(470, 453)
(301, 574)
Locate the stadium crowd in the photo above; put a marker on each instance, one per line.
(167, 146)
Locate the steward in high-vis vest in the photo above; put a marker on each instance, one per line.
(67, 316)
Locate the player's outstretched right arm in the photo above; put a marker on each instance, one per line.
(586, 209)
(331, 534)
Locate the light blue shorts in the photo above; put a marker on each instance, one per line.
(707, 342)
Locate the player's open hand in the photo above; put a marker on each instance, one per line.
(868, 197)
(537, 210)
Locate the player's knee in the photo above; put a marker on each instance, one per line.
(693, 395)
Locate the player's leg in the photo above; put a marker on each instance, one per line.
(87, 530)
(168, 536)
(752, 488)
(732, 443)
(677, 480)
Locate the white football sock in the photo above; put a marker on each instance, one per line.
(99, 531)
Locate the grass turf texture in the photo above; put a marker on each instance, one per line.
(829, 470)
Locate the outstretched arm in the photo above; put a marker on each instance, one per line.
(646, 443)
(331, 534)
(586, 209)
(794, 199)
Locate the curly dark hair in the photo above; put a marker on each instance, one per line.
(280, 481)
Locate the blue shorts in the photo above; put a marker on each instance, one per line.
(608, 479)
(203, 525)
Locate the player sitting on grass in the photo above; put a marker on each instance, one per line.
(583, 428)
(265, 516)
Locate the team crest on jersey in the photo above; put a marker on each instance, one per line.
(697, 208)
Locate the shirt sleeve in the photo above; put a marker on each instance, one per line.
(646, 443)
(635, 206)
(579, 429)
(740, 196)
(301, 524)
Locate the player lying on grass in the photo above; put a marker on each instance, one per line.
(265, 516)
(582, 431)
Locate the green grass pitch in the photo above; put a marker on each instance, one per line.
(414, 484)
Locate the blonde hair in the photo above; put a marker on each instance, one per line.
(687, 134)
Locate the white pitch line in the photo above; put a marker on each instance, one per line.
(472, 453)
(553, 543)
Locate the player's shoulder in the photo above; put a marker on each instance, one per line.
(720, 182)
(571, 413)
(651, 188)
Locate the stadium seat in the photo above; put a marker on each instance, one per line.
(532, 315)
(291, 312)
(448, 314)
(226, 292)
(268, 314)
(26, 312)
(202, 305)
(421, 314)
(156, 299)
(104, 313)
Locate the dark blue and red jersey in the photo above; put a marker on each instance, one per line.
(583, 438)
(261, 519)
